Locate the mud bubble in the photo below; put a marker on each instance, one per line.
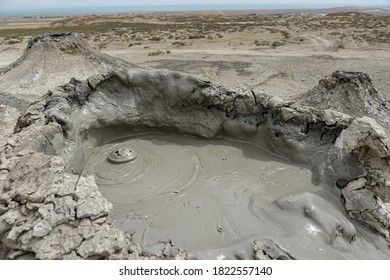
(122, 154)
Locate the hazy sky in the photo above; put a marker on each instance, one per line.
(42, 4)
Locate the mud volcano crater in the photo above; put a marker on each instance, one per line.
(185, 168)
(194, 192)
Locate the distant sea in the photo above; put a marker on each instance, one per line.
(151, 8)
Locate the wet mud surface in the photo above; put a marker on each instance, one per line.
(211, 197)
(197, 192)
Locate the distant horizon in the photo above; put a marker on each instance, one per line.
(170, 8)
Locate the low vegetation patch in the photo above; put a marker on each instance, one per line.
(275, 44)
(159, 52)
(178, 44)
(339, 46)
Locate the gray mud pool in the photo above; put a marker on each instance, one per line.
(213, 198)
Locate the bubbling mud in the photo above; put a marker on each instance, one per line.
(214, 198)
(199, 194)
(121, 155)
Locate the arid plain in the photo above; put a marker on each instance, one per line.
(279, 53)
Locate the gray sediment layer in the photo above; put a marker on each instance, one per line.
(51, 205)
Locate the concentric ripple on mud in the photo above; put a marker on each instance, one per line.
(195, 192)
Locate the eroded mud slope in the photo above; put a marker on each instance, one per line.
(51, 60)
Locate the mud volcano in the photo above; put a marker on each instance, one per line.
(187, 169)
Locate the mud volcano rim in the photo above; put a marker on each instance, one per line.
(352, 149)
(215, 110)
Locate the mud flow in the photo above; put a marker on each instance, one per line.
(195, 192)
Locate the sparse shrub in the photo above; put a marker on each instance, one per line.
(196, 36)
(156, 53)
(155, 38)
(134, 44)
(262, 43)
(159, 52)
(286, 34)
(178, 44)
(276, 44)
(339, 46)
(14, 41)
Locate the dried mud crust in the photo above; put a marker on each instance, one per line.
(49, 212)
